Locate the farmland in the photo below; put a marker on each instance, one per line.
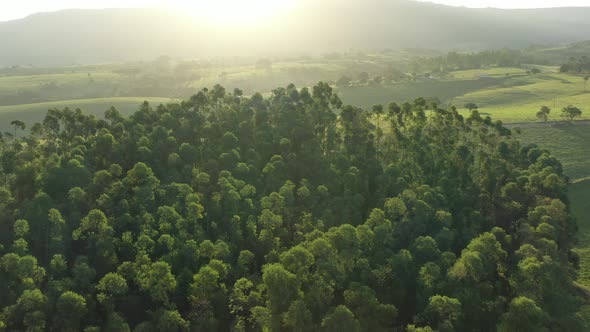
(31, 113)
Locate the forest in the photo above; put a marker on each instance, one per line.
(285, 212)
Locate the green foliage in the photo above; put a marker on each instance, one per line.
(568, 143)
(341, 319)
(290, 212)
(522, 315)
(571, 112)
(543, 113)
(471, 106)
(71, 308)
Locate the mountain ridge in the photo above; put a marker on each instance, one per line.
(113, 35)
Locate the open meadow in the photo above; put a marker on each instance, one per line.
(569, 143)
(507, 94)
(510, 94)
(31, 113)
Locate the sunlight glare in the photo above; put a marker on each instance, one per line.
(233, 11)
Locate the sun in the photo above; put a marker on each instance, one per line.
(233, 11)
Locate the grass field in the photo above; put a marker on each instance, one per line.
(492, 72)
(519, 98)
(569, 143)
(579, 195)
(31, 113)
(33, 81)
(507, 94)
(444, 90)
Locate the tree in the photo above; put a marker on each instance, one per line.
(17, 124)
(471, 106)
(289, 212)
(363, 77)
(564, 68)
(157, 281)
(298, 317)
(110, 286)
(570, 112)
(29, 310)
(71, 307)
(535, 71)
(543, 113)
(282, 287)
(341, 319)
(343, 81)
(170, 320)
(442, 312)
(523, 315)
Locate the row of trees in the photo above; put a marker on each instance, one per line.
(390, 76)
(576, 65)
(463, 61)
(569, 112)
(287, 213)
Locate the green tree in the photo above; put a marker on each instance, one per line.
(543, 113)
(363, 77)
(340, 319)
(570, 112)
(111, 286)
(30, 310)
(157, 281)
(442, 312)
(343, 81)
(71, 308)
(523, 315)
(471, 106)
(282, 288)
(18, 124)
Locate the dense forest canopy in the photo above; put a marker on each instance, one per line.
(287, 213)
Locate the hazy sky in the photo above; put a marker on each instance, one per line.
(215, 9)
(14, 9)
(514, 3)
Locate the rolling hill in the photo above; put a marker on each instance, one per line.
(94, 36)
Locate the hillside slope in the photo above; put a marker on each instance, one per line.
(90, 36)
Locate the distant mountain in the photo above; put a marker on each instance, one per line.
(92, 36)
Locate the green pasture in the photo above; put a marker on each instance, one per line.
(31, 113)
(444, 90)
(579, 195)
(569, 143)
(490, 72)
(52, 83)
(518, 99)
(30, 81)
(507, 94)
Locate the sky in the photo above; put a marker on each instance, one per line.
(513, 3)
(15, 9)
(230, 10)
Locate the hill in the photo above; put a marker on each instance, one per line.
(292, 212)
(92, 36)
